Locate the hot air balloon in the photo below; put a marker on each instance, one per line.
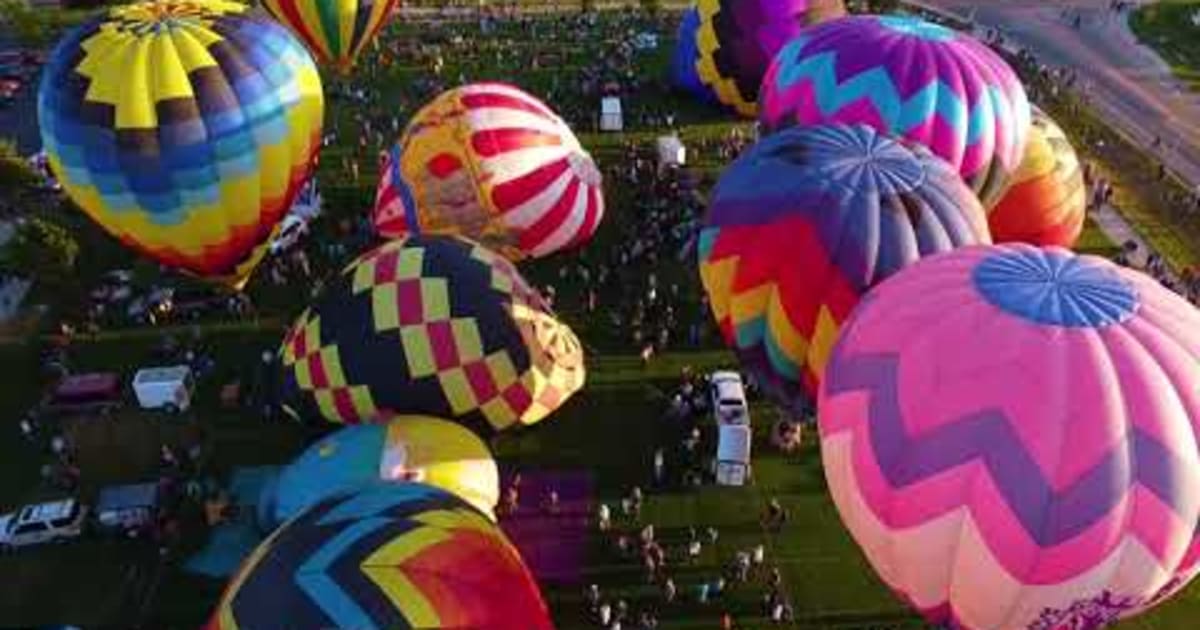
(725, 46)
(394, 556)
(184, 128)
(492, 163)
(430, 325)
(335, 31)
(803, 224)
(1047, 201)
(683, 59)
(407, 448)
(1009, 433)
(908, 78)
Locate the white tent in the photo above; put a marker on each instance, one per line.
(610, 114)
(671, 151)
(733, 454)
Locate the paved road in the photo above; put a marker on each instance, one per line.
(1127, 82)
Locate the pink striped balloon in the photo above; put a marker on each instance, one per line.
(492, 163)
(1010, 434)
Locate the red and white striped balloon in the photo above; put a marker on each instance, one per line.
(490, 162)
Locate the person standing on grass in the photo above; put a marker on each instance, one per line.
(550, 504)
(669, 591)
(776, 516)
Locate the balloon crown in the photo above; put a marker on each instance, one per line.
(1054, 287)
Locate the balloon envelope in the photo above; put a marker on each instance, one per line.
(725, 46)
(335, 31)
(492, 163)
(1047, 201)
(803, 224)
(908, 78)
(1009, 433)
(185, 129)
(431, 325)
(402, 556)
(407, 448)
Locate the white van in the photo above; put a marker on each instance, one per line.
(728, 398)
(733, 454)
(166, 388)
(42, 523)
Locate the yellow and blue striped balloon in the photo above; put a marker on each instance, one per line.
(183, 127)
(335, 31)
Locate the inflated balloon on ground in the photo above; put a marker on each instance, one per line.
(489, 162)
(396, 556)
(725, 46)
(430, 325)
(1010, 434)
(407, 448)
(1047, 201)
(908, 78)
(803, 224)
(335, 31)
(184, 129)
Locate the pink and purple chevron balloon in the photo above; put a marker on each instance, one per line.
(1010, 434)
(908, 78)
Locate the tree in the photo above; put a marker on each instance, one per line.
(651, 7)
(16, 177)
(28, 26)
(43, 251)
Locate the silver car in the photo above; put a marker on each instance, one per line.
(42, 523)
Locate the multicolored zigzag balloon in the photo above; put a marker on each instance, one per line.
(908, 78)
(806, 222)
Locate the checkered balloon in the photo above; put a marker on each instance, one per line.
(431, 325)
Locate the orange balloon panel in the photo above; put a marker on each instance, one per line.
(1047, 202)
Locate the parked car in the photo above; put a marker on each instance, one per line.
(92, 392)
(165, 388)
(54, 521)
(728, 398)
(291, 230)
(152, 306)
(127, 509)
(295, 225)
(189, 302)
(731, 465)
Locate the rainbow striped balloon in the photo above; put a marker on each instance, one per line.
(806, 222)
(1010, 434)
(335, 31)
(492, 163)
(184, 128)
(908, 78)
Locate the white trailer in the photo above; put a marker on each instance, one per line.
(166, 388)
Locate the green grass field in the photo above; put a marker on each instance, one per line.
(1167, 27)
(609, 429)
